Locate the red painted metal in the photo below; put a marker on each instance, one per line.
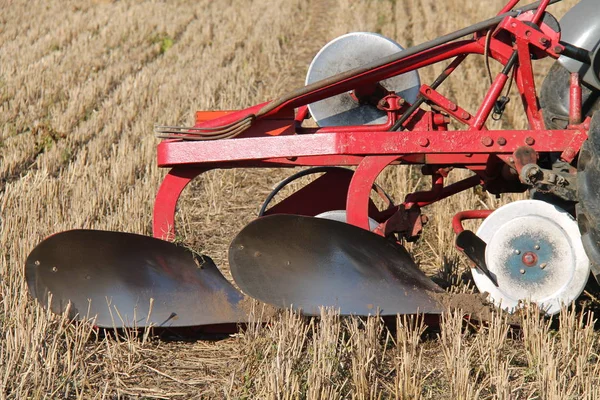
(488, 103)
(470, 214)
(166, 200)
(360, 189)
(277, 138)
(238, 151)
(451, 108)
(575, 100)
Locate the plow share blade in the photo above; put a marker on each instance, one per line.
(128, 280)
(306, 263)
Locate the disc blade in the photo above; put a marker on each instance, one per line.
(306, 263)
(128, 280)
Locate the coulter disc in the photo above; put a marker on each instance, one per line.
(535, 253)
(128, 280)
(351, 51)
(307, 263)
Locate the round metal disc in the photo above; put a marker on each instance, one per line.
(348, 52)
(535, 252)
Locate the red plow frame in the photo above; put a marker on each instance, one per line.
(411, 135)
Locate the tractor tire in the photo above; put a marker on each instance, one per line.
(588, 193)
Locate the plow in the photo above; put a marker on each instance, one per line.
(339, 241)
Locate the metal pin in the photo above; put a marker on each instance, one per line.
(54, 269)
(543, 265)
(537, 247)
(517, 251)
(522, 271)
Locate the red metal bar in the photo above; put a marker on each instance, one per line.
(526, 84)
(470, 214)
(488, 102)
(450, 107)
(163, 224)
(537, 17)
(575, 100)
(437, 185)
(426, 58)
(235, 151)
(359, 192)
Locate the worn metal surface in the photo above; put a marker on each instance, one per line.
(534, 250)
(346, 53)
(113, 276)
(306, 263)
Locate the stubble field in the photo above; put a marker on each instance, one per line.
(81, 85)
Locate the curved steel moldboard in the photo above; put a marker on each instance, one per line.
(113, 276)
(306, 263)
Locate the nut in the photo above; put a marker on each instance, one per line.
(501, 141)
(487, 141)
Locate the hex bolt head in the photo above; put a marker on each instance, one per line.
(501, 141)
(487, 141)
(423, 142)
(530, 141)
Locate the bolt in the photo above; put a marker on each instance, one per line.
(241, 247)
(465, 115)
(529, 140)
(257, 254)
(543, 265)
(452, 107)
(527, 33)
(54, 269)
(423, 142)
(544, 41)
(501, 141)
(558, 49)
(529, 259)
(487, 141)
(37, 262)
(522, 271)
(517, 252)
(537, 247)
